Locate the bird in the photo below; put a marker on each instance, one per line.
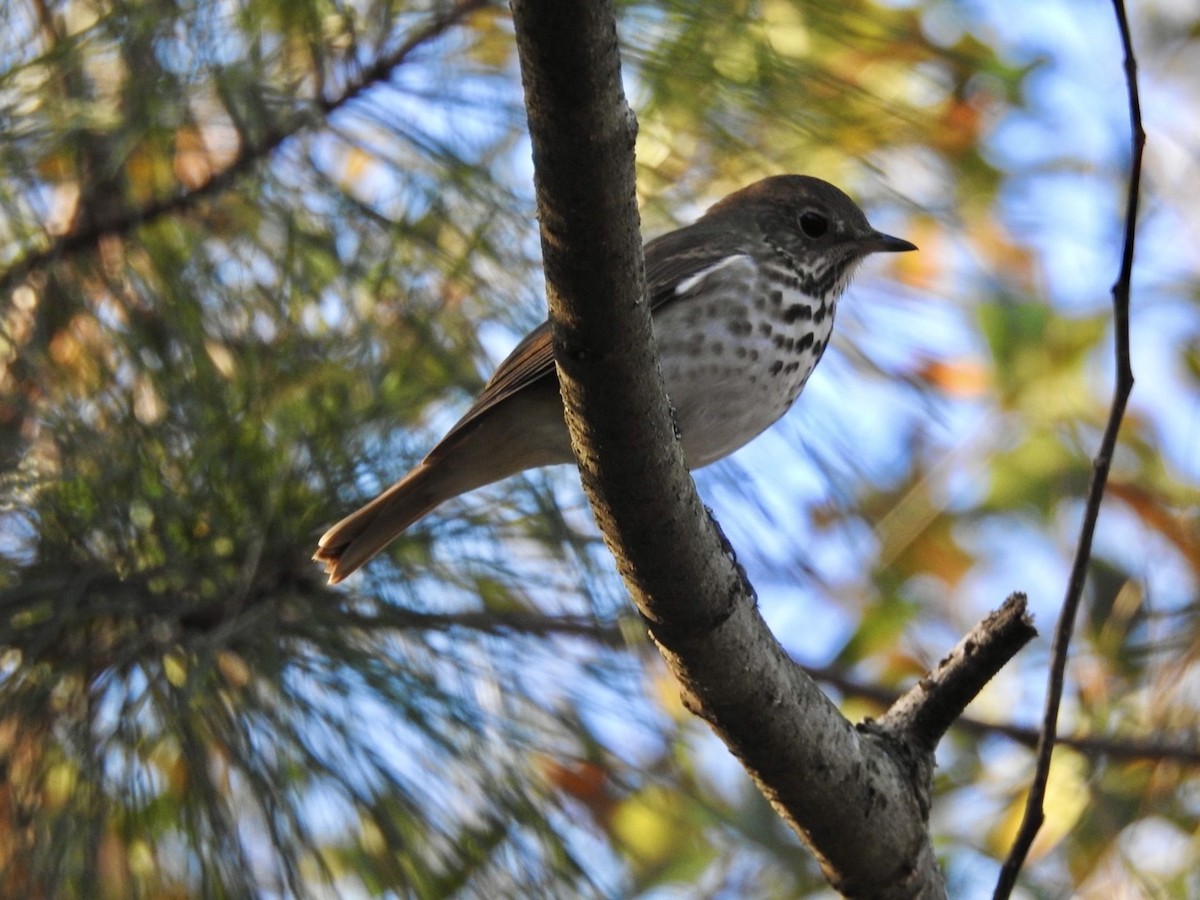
(742, 304)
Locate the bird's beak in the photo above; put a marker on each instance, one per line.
(878, 242)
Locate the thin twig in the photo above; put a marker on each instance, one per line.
(492, 622)
(922, 716)
(1178, 750)
(1034, 811)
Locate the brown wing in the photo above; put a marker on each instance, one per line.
(670, 259)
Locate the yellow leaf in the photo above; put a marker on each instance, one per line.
(234, 668)
(222, 358)
(737, 60)
(358, 163)
(371, 839)
(60, 785)
(647, 825)
(141, 859)
(785, 29)
(1067, 796)
(493, 44)
(148, 171)
(175, 669)
(148, 406)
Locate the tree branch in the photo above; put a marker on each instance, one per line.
(249, 154)
(1034, 813)
(506, 622)
(855, 797)
(927, 710)
(1179, 749)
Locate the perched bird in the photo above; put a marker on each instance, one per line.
(742, 302)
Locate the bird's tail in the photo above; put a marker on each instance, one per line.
(352, 542)
(524, 432)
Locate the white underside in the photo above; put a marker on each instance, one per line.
(726, 395)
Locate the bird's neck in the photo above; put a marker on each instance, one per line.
(822, 278)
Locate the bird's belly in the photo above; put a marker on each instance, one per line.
(732, 375)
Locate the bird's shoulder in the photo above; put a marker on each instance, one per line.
(677, 264)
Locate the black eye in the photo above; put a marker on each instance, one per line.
(813, 224)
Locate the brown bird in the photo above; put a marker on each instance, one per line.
(743, 303)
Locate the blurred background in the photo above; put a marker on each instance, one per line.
(256, 255)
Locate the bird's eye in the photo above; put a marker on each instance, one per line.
(813, 224)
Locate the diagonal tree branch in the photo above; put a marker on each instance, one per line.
(858, 797)
(931, 706)
(676, 564)
(1034, 811)
(249, 155)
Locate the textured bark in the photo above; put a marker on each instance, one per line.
(858, 797)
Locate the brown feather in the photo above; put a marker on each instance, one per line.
(670, 259)
(516, 423)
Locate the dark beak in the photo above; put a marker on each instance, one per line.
(878, 242)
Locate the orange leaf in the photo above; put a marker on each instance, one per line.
(584, 780)
(958, 378)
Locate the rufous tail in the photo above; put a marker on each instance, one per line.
(523, 432)
(352, 542)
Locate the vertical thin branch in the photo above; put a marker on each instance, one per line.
(1034, 811)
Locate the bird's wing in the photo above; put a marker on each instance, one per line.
(676, 264)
